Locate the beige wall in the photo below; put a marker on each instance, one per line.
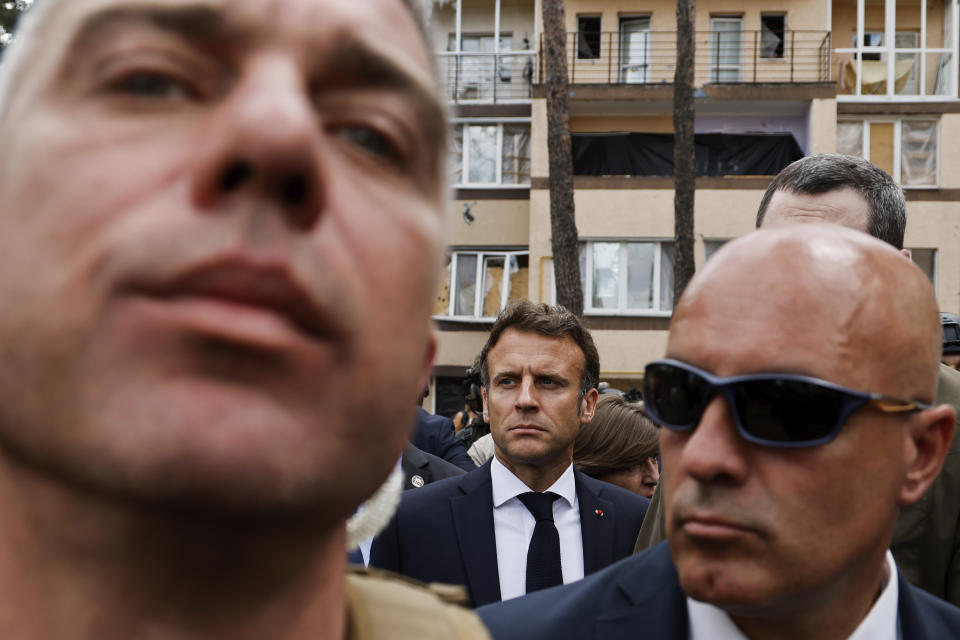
(623, 354)
(496, 223)
(634, 124)
(458, 348)
(822, 126)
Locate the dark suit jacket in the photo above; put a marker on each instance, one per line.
(435, 435)
(427, 467)
(444, 532)
(640, 597)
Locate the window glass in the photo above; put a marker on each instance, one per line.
(516, 154)
(710, 247)
(456, 154)
(492, 284)
(519, 278)
(483, 154)
(918, 153)
(926, 259)
(588, 37)
(666, 275)
(441, 304)
(606, 275)
(640, 264)
(466, 284)
(771, 35)
(850, 138)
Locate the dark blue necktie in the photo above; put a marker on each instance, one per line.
(543, 555)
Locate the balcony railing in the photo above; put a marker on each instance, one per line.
(649, 57)
(488, 77)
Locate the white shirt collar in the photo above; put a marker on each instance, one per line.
(506, 485)
(708, 622)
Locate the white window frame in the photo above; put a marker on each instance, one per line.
(897, 144)
(717, 67)
(936, 263)
(465, 152)
(621, 309)
(481, 255)
(890, 49)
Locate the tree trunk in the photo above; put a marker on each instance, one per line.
(684, 158)
(563, 226)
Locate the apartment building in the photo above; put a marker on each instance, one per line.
(774, 82)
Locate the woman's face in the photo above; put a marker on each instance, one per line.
(641, 479)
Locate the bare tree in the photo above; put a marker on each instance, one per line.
(684, 158)
(563, 226)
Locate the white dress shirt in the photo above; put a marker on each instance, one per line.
(708, 622)
(513, 528)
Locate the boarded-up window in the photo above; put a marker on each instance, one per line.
(481, 283)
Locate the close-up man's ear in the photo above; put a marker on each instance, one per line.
(588, 405)
(486, 410)
(429, 355)
(931, 433)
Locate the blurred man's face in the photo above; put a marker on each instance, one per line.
(221, 231)
(762, 529)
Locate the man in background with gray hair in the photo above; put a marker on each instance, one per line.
(208, 356)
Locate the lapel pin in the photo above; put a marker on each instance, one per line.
(598, 512)
(417, 481)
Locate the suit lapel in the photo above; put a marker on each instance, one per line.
(473, 521)
(657, 607)
(597, 520)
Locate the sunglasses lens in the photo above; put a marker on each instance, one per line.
(674, 396)
(787, 410)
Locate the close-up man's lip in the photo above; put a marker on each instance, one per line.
(711, 527)
(526, 427)
(234, 294)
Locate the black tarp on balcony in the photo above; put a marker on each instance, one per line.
(651, 154)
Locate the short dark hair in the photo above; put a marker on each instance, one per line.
(825, 172)
(619, 438)
(555, 322)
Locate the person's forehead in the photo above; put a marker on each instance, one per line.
(387, 26)
(780, 324)
(842, 206)
(519, 349)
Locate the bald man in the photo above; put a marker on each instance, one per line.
(794, 429)
(855, 193)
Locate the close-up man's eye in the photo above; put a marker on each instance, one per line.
(372, 141)
(152, 84)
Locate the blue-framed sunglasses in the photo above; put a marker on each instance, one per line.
(773, 409)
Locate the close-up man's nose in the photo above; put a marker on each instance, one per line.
(714, 451)
(263, 141)
(526, 394)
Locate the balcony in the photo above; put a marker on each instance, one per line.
(487, 77)
(734, 57)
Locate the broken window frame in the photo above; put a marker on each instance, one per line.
(481, 256)
(585, 50)
(947, 61)
(779, 51)
(661, 296)
(898, 145)
(461, 164)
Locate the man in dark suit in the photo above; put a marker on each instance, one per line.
(794, 429)
(539, 371)
(435, 435)
(421, 468)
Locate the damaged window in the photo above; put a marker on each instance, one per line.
(629, 277)
(907, 149)
(479, 284)
(772, 28)
(490, 154)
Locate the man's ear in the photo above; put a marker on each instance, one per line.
(588, 405)
(930, 433)
(428, 356)
(486, 410)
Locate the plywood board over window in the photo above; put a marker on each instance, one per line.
(906, 148)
